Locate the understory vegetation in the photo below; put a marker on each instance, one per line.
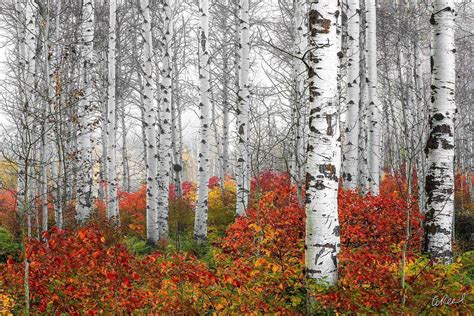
(251, 265)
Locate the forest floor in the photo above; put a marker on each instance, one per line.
(251, 265)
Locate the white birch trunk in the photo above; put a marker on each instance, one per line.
(374, 137)
(363, 177)
(47, 135)
(26, 177)
(150, 120)
(22, 70)
(112, 180)
(84, 144)
(242, 166)
(165, 126)
(125, 163)
(56, 167)
(440, 145)
(323, 161)
(176, 130)
(351, 139)
(201, 216)
(299, 113)
(224, 157)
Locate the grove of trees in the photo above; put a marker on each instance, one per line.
(236, 157)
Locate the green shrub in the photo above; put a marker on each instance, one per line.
(8, 247)
(137, 245)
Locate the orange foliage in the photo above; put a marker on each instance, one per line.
(257, 267)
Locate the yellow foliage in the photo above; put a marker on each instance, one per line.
(6, 305)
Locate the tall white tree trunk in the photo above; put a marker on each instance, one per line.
(125, 162)
(150, 119)
(176, 128)
(440, 145)
(165, 126)
(351, 139)
(243, 156)
(22, 99)
(363, 174)
(200, 222)
(421, 111)
(112, 180)
(224, 156)
(30, 109)
(47, 135)
(55, 99)
(374, 137)
(84, 146)
(299, 113)
(323, 158)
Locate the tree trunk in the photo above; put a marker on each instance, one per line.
(112, 180)
(125, 163)
(150, 117)
(440, 145)
(242, 167)
(374, 152)
(200, 223)
(165, 126)
(323, 161)
(351, 139)
(299, 113)
(84, 146)
(363, 178)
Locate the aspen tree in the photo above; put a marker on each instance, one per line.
(150, 117)
(201, 217)
(373, 121)
(322, 241)
(85, 124)
(112, 180)
(166, 120)
(351, 139)
(299, 113)
(242, 167)
(440, 144)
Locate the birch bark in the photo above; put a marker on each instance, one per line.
(299, 112)
(242, 167)
(323, 159)
(112, 180)
(200, 222)
(84, 146)
(374, 137)
(440, 145)
(150, 117)
(363, 179)
(166, 120)
(351, 139)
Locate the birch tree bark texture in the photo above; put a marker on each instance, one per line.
(201, 217)
(47, 136)
(85, 123)
(299, 109)
(363, 172)
(242, 166)
(440, 144)
(165, 126)
(112, 180)
(150, 117)
(21, 33)
(322, 168)
(374, 136)
(351, 139)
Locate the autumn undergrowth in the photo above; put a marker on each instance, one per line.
(250, 265)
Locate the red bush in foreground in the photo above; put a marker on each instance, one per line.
(257, 267)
